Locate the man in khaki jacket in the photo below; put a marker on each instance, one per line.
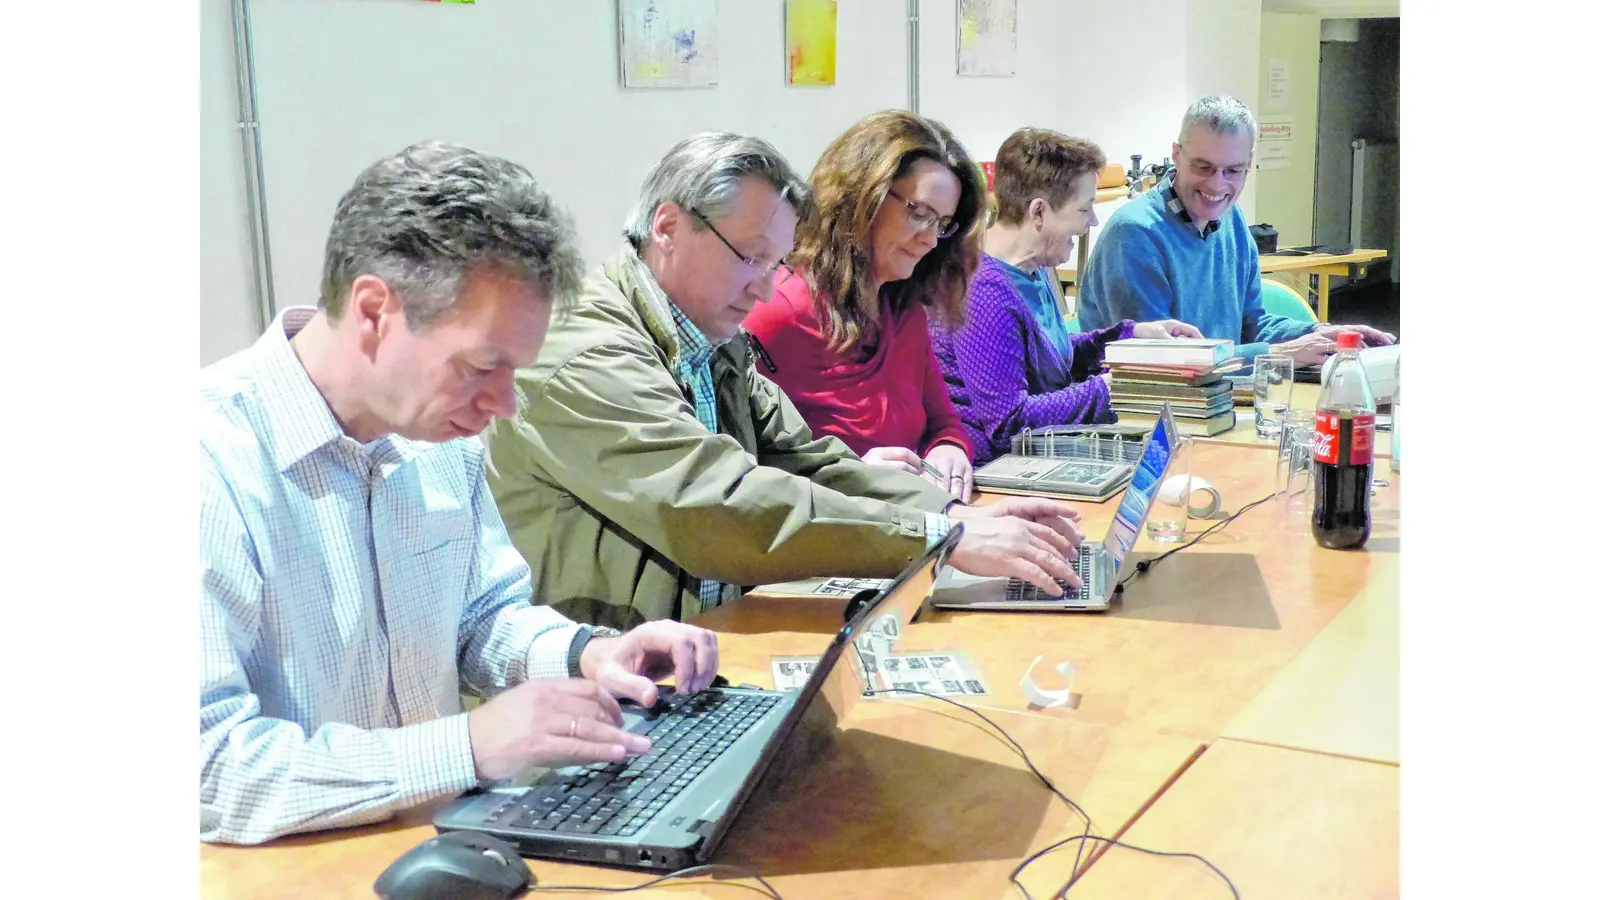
(651, 472)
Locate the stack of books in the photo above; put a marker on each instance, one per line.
(1189, 373)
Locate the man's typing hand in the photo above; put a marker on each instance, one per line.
(548, 722)
(628, 666)
(1036, 548)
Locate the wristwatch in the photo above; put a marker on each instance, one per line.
(580, 641)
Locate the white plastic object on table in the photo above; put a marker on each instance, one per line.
(1039, 696)
(1198, 488)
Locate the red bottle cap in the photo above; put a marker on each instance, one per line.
(1347, 340)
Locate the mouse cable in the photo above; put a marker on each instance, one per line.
(1144, 565)
(1016, 748)
(691, 872)
(1087, 834)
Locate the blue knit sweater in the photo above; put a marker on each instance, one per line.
(1149, 264)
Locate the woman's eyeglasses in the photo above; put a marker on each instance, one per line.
(924, 217)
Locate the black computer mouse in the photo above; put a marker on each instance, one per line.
(456, 865)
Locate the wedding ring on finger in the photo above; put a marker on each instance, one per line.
(572, 732)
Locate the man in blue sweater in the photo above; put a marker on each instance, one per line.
(1183, 251)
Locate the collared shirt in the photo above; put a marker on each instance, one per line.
(1174, 204)
(348, 594)
(694, 365)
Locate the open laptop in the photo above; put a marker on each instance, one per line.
(1099, 562)
(672, 807)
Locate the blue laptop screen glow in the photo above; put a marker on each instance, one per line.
(1135, 506)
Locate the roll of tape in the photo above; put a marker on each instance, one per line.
(1204, 499)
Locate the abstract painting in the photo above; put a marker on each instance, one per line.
(811, 30)
(986, 37)
(668, 43)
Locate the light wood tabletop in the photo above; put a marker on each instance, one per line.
(913, 798)
(1277, 822)
(1186, 648)
(1315, 266)
(1338, 696)
(1273, 262)
(1254, 633)
(1303, 397)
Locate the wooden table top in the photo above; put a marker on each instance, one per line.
(1277, 822)
(1188, 646)
(902, 804)
(1272, 263)
(1254, 633)
(1304, 396)
(1291, 263)
(1338, 696)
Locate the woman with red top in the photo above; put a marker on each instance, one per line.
(892, 238)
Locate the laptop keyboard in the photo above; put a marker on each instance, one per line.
(687, 732)
(1019, 591)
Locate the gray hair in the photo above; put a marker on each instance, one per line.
(427, 216)
(703, 173)
(1222, 113)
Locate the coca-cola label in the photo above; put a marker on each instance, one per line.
(1363, 434)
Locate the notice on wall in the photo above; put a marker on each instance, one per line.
(1275, 144)
(1278, 84)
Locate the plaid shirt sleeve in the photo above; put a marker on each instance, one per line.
(262, 777)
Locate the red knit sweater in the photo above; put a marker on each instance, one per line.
(896, 398)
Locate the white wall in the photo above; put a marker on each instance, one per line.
(1087, 68)
(1224, 57)
(227, 305)
(343, 82)
(1284, 196)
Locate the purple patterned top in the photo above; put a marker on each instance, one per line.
(1004, 373)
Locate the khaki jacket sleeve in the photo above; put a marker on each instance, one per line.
(787, 443)
(611, 427)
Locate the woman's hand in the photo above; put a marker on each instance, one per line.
(953, 464)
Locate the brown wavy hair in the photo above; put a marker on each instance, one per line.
(833, 240)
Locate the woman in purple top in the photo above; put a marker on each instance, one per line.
(1014, 365)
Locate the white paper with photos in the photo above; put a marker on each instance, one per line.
(946, 673)
(825, 587)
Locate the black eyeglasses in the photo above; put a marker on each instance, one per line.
(762, 270)
(924, 217)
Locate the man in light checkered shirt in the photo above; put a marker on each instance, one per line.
(355, 575)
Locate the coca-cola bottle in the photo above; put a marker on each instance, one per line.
(1347, 428)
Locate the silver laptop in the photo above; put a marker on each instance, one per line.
(672, 807)
(1099, 563)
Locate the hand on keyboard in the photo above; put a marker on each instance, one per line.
(1010, 546)
(548, 722)
(628, 666)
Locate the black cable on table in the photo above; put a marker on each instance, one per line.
(1088, 832)
(1143, 565)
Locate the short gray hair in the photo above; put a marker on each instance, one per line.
(703, 173)
(1222, 113)
(427, 216)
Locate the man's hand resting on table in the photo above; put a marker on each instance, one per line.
(564, 721)
(1030, 538)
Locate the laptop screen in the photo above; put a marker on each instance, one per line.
(841, 676)
(1141, 490)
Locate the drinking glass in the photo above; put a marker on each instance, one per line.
(1169, 508)
(1293, 478)
(1273, 382)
